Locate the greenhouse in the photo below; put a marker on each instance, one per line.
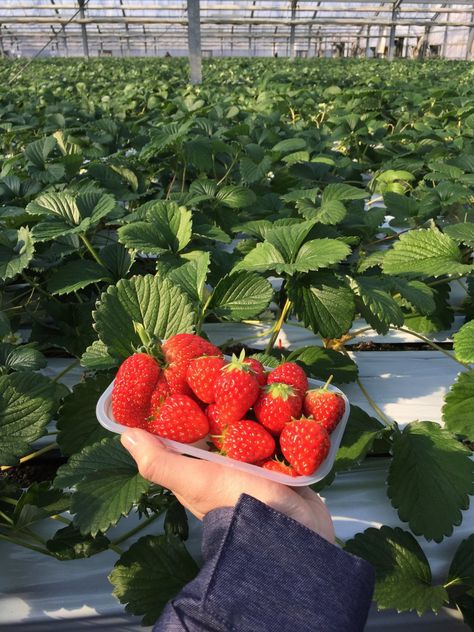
(236, 315)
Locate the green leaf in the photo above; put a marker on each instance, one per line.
(266, 359)
(75, 275)
(77, 421)
(376, 306)
(191, 276)
(342, 192)
(70, 544)
(97, 358)
(289, 145)
(117, 260)
(167, 227)
(320, 253)
(240, 295)
(38, 502)
(359, 436)
(150, 573)
(37, 152)
(16, 251)
(236, 196)
(27, 403)
(321, 363)
(253, 172)
(107, 485)
(425, 252)
(262, 258)
(323, 303)
(403, 575)
(161, 307)
(464, 343)
(462, 565)
(20, 358)
(330, 213)
(441, 318)
(288, 239)
(458, 407)
(461, 233)
(430, 479)
(416, 294)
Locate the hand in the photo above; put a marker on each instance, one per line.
(202, 486)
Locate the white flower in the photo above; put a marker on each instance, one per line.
(131, 152)
(270, 175)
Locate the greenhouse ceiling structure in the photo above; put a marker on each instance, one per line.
(298, 28)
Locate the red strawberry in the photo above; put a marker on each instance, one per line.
(216, 426)
(178, 351)
(305, 444)
(258, 369)
(279, 466)
(247, 441)
(160, 393)
(133, 387)
(201, 375)
(180, 418)
(324, 406)
(292, 374)
(236, 390)
(277, 405)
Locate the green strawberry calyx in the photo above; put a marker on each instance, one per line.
(238, 364)
(279, 390)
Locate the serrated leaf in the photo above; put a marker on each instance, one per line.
(70, 544)
(38, 502)
(459, 406)
(117, 260)
(263, 257)
(359, 435)
(372, 260)
(107, 485)
(320, 253)
(320, 363)
(376, 306)
(266, 359)
(329, 213)
(150, 573)
(253, 172)
(342, 192)
(191, 276)
(323, 303)
(20, 358)
(425, 253)
(464, 343)
(441, 318)
(417, 294)
(241, 295)
(288, 239)
(403, 575)
(289, 145)
(76, 275)
(236, 196)
(97, 358)
(461, 233)
(38, 151)
(462, 565)
(27, 403)
(430, 479)
(77, 421)
(161, 307)
(16, 251)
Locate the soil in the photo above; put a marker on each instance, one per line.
(41, 470)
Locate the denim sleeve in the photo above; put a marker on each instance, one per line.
(265, 572)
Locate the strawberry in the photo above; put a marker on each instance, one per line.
(215, 425)
(179, 418)
(178, 351)
(292, 374)
(277, 405)
(160, 393)
(133, 388)
(235, 390)
(247, 441)
(304, 444)
(279, 466)
(324, 406)
(258, 369)
(201, 375)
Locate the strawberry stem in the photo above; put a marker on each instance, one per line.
(329, 380)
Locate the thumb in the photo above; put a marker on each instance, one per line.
(158, 463)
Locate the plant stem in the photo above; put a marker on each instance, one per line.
(229, 169)
(433, 345)
(5, 517)
(136, 529)
(203, 314)
(91, 249)
(168, 193)
(61, 519)
(28, 457)
(66, 370)
(38, 288)
(32, 547)
(454, 582)
(278, 325)
(117, 549)
(441, 281)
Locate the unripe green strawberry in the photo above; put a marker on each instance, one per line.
(305, 444)
(292, 374)
(179, 418)
(247, 441)
(324, 406)
(132, 391)
(236, 390)
(202, 374)
(178, 351)
(277, 405)
(279, 466)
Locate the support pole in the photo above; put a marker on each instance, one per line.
(293, 28)
(85, 43)
(444, 50)
(470, 40)
(194, 41)
(391, 38)
(367, 43)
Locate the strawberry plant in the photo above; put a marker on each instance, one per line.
(134, 207)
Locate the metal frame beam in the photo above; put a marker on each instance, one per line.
(194, 41)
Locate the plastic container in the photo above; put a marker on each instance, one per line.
(106, 419)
